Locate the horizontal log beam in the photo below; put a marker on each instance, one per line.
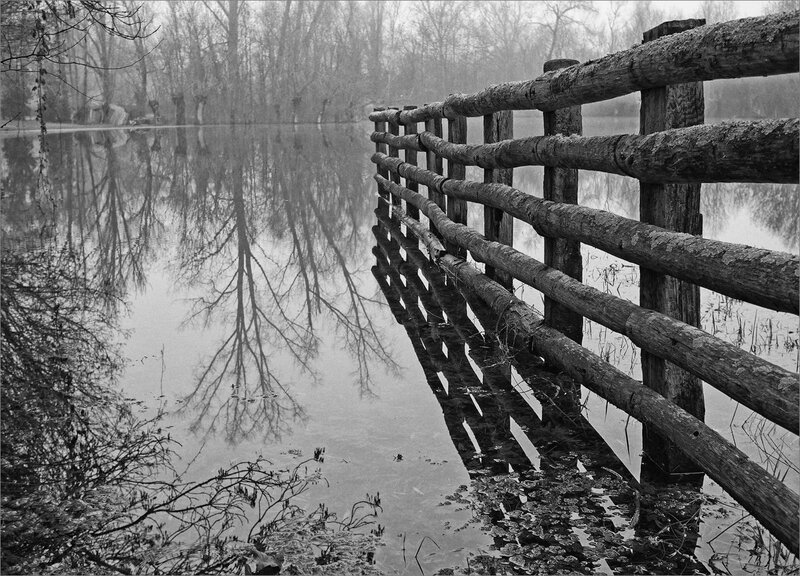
(763, 277)
(405, 142)
(760, 385)
(762, 46)
(770, 501)
(739, 151)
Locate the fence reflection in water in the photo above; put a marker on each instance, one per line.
(555, 494)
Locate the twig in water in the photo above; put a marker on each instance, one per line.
(416, 556)
(728, 528)
(627, 442)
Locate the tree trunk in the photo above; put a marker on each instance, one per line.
(199, 109)
(140, 92)
(233, 58)
(180, 108)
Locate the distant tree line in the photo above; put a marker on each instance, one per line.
(214, 61)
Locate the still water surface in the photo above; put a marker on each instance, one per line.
(250, 312)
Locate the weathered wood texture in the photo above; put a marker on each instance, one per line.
(434, 164)
(756, 383)
(410, 142)
(456, 207)
(735, 151)
(672, 207)
(765, 497)
(764, 277)
(432, 244)
(761, 46)
(498, 225)
(561, 185)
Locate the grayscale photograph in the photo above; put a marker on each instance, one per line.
(400, 288)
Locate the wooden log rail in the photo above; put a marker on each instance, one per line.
(762, 46)
(497, 399)
(598, 458)
(673, 154)
(758, 151)
(731, 269)
(763, 495)
(761, 386)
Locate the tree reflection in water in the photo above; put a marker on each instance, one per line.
(270, 229)
(59, 413)
(274, 291)
(225, 257)
(89, 487)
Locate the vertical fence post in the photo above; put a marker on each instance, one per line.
(434, 163)
(410, 157)
(456, 209)
(561, 185)
(674, 207)
(394, 130)
(497, 225)
(380, 126)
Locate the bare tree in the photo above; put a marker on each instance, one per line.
(227, 15)
(39, 39)
(561, 18)
(714, 11)
(775, 6)
(507, 39)
(441, 32)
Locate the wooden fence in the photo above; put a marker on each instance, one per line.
(673, 154)
(490, 425)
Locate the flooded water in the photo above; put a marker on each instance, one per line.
(266, 309)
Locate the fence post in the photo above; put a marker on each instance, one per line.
(434, 163)
(561, 185)
(380, 126)
(674, 207)
(456, 209)
(394, 130)
(497, 225)
(410, 157)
